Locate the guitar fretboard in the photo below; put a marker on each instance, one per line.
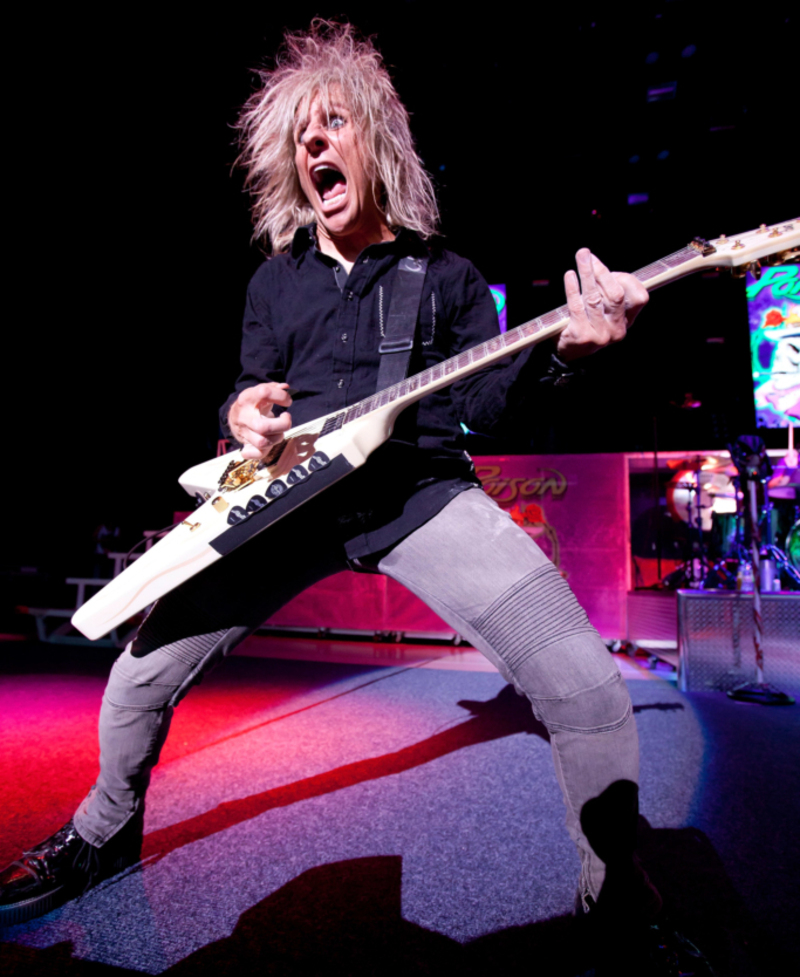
(512, 341)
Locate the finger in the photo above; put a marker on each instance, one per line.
(608, 282)
(272, 393)
(256, 445)
(592, 295)
(261, 427)
(278, 393)
(250, 452)
(612, 290)
(636, 295)
(572, 290)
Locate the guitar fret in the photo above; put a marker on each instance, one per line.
(332, 424)
(554, 317)
(665, 264)
(679, 258)
(645, 274)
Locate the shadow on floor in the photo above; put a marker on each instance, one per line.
(345, 918)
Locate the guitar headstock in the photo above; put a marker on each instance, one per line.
(776, 244)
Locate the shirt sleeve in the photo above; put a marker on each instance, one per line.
(490, 399)
(261, 358)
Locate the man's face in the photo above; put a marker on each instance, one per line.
(332, 173)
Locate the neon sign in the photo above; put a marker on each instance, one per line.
(499, 296)
(773, 303)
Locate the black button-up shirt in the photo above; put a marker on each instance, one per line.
(310, 324)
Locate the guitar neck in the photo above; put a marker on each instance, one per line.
(400, 395)
(743, 252)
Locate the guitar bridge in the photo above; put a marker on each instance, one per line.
(238, 474)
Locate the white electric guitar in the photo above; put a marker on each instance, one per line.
(242, 498)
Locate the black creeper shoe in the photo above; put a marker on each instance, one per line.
(62, 867)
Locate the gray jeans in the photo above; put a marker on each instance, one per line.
(471, 564)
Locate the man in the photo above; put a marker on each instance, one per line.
(342, 198)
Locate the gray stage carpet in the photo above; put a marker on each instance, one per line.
(408, 820)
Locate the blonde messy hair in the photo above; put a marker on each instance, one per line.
(330, 58)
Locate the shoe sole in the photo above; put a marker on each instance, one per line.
(21, 912)
(27, 909)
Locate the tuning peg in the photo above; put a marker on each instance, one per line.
(761, 228)
(755, 269)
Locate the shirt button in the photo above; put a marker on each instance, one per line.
(349, 296)
(344, 337)
(340, 383)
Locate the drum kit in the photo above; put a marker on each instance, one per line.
(710, 495)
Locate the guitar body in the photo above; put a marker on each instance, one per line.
(242, 498)
(224, 520)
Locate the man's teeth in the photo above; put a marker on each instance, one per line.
(330, 183)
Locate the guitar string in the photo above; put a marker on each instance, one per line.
(475, 354)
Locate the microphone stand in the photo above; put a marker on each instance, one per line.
(752, 463)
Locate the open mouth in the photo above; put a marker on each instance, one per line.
(330, 183)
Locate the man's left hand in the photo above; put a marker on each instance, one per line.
(602, 306)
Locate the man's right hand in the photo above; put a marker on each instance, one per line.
(251, 419)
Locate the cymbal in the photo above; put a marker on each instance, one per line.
(783, 475)
(695, 464)
(723, 468)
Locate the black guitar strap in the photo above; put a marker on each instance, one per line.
(401, 323)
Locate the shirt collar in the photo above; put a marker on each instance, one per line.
(405, 242)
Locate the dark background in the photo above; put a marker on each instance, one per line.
(130, 235)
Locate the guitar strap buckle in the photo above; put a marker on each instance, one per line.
(396, 346)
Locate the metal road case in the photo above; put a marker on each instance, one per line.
(715, 640)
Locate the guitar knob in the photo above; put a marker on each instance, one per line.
(319, 460)
(256, 502)
(237, 515)
(276, 489)
(297, 474)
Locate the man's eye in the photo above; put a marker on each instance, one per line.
(335, 122)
